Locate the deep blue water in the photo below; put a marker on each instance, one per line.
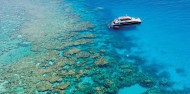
(163, 37)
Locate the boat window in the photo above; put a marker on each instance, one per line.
(123, 19)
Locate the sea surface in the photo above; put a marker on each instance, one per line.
(65, 46)
(163, 37)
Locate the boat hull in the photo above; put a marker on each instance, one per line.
(112, 25)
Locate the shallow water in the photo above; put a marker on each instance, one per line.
(66, 46)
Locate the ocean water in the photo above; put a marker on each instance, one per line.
(163, 37)
(65, 46)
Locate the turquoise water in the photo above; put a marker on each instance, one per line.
(163, 37)
(66, 46)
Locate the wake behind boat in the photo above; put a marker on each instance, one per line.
(123, 21)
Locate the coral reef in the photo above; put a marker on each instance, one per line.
(165, 82)
(85, 88)
(66, 51)
(62, 86)
(71, 51)
(147, 82)
(52, 78)
(101, 61)
(82, 54)
(43, 86)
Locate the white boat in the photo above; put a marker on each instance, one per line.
(123, 21)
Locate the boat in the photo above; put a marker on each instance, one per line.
(123, 21)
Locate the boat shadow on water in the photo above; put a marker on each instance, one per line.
(124, 28)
